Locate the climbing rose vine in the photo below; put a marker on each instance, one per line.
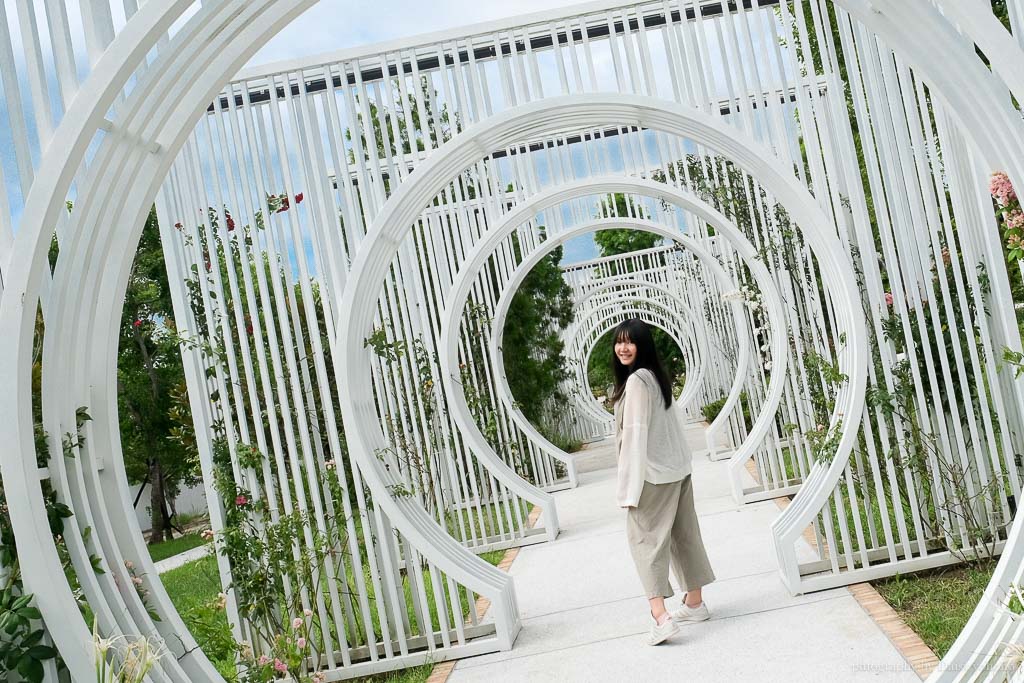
(1006, 199)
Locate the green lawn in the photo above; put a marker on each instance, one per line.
(487, 520)
(937, 604)
(193, 586)
(161, 551)
(416, 674)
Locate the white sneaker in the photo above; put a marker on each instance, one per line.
(662, 632)
(687, 613)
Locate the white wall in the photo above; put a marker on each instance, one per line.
(189, 501)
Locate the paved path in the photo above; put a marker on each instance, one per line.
(585, 619)
(175, 561)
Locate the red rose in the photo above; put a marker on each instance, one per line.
(137, 323)
(241, 500)
(178, 225)
(285, 204)
(298, 198)
(231, 223)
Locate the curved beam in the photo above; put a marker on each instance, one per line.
(601, 186)
(585, 347)
(701, 330)
(976, 97)
(80, 348)
(725, 281)
(662, 323)
(548, 117)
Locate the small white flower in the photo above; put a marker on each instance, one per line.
(768, 365)
(900, 357)
(753, 305)
(765, 347)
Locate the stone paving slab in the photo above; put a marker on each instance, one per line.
(585, 619)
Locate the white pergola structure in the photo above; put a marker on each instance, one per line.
(358, 326)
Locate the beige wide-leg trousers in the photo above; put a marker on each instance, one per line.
(662, 530)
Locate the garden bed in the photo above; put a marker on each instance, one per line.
(937, 603)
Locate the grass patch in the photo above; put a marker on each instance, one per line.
(415, 674)
(193, 586)
(161, 551)
(937, 604)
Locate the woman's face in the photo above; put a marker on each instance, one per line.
(625, 350)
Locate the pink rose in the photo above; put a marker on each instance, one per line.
(241, 500)
(1015, 219)
(1001, 188)
(888, 299)
(297, 622)
(263, 660)
(280, 666)
(301, 643)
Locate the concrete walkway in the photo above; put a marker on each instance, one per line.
(190, 555)
(585, 618)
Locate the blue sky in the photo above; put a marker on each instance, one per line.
(337, 24)
(332, 25)
(328, 26)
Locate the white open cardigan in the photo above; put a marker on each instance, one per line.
(649, 439)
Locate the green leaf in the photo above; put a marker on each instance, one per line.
(42, 652)
(32, 638)
(30, 668)
(30, 613)
(21, 602)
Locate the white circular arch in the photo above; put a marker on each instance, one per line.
(598, 186)
(29, 251)
(555, 240)
(696, 323)
(698, 344)
(548, 117)
(167, 98)
(602, 316)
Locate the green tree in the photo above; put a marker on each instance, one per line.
(534, 362)
(623, 240)
(152, 404)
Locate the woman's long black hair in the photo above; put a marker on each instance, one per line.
(639, 333)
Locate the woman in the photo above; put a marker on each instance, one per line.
(654, 482)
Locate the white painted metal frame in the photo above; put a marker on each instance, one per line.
(973, 120)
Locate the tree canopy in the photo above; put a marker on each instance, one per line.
(533, 349)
